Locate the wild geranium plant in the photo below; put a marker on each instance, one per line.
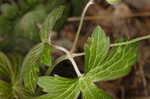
(103, 62)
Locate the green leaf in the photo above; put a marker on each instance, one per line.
(96, 50)
(59, 87)
(90, 91)
(30, 67)
(16, 61)
(60, 22)
(46, 57)
(117, 64)
(50, 22)
(5, 66)
(52, 4)
(5, 88)
(101, 65)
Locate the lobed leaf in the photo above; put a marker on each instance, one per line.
(5, 66)
(30, 67)
(96, 50)
(102, 65)
(90, 91)
(46, 57)
(117, 64)
(50, 22)
(64, 88)
(5, 88)
(59, 88)
(16, 61)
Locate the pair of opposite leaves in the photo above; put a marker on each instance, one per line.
(101, 64)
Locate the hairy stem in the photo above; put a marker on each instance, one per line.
(80, 25)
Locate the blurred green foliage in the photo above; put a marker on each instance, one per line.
(5, 25)
(10, 11)
(19, 21)
(27, 25)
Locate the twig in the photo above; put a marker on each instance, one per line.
(80, 25)
(104, 17)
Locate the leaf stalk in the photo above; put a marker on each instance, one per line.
(80, 25)
(118, 44)
(131, 41)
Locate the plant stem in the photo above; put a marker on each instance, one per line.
(131, 41)
(121, 43)
(70, 57)
(62, 58)
(49, 70)
(80, 25)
